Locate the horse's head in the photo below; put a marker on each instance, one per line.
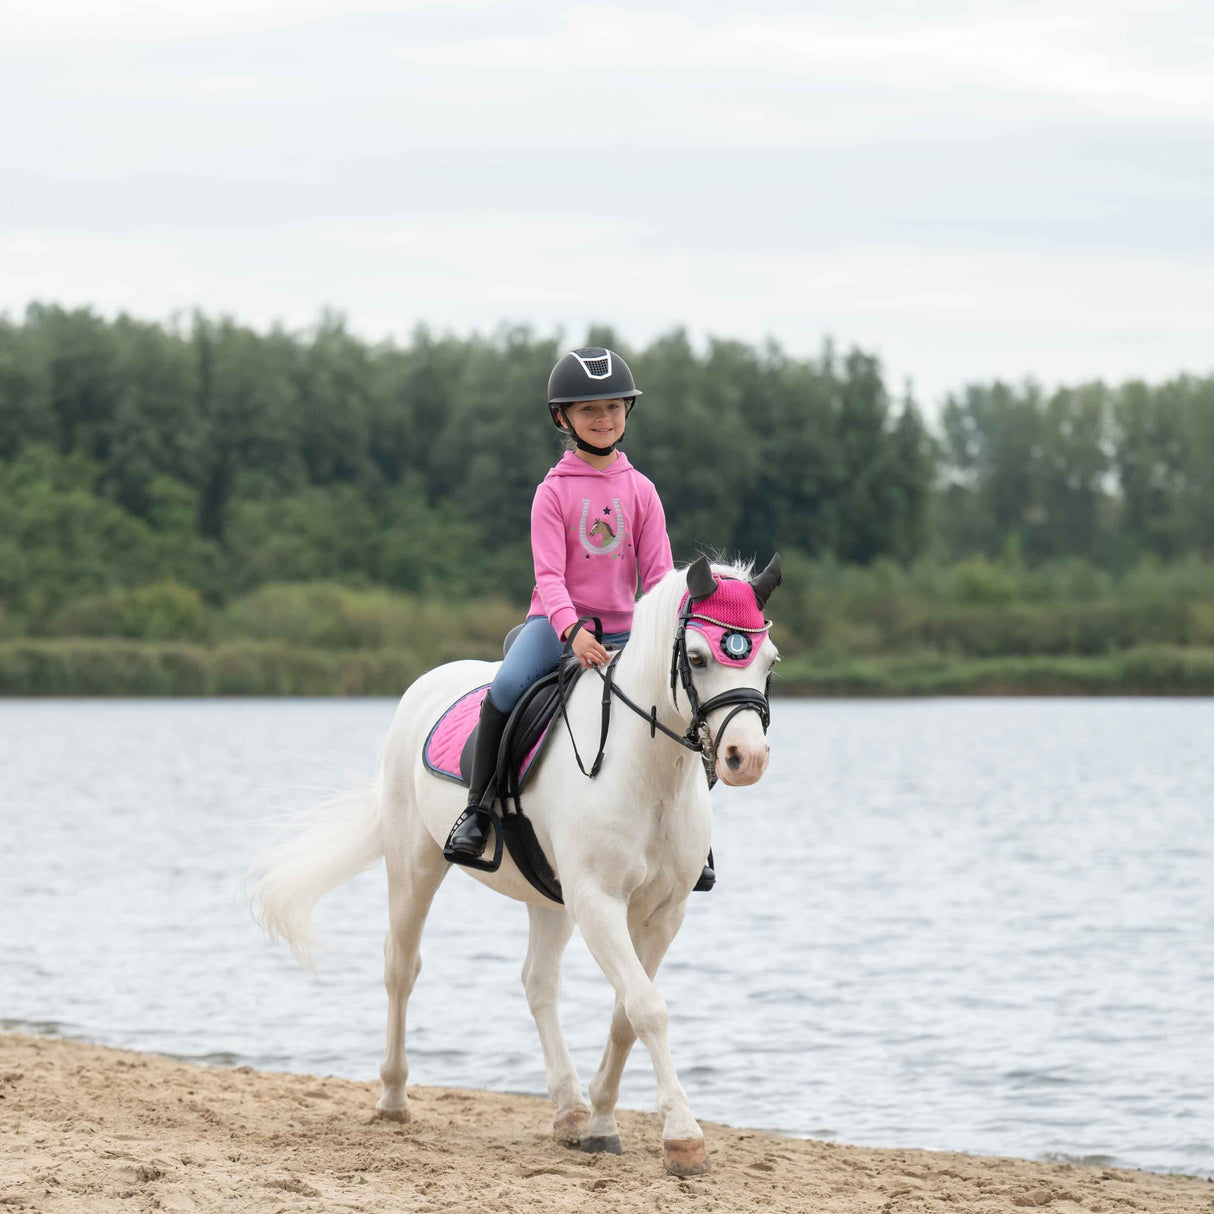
(722, 663)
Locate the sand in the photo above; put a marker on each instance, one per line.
(83, 1128)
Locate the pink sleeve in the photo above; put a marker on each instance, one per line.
(654, 559)
(548, 553)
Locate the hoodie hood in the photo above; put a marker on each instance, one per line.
(570, 465)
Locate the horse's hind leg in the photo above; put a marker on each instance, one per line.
(550, 932)
(416, 868)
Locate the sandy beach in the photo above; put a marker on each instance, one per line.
(84, 1128)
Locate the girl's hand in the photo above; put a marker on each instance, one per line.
(588, 651)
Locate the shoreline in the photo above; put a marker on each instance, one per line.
(105, 668)
(91, 1128)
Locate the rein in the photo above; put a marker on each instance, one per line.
(741, 698)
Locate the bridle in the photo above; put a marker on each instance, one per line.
(741, 698)
(697, 737)
(701, 586)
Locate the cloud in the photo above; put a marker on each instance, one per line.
(228, 84)
(967, 190)
(1080, 52)
(58, 22)
(940, 318)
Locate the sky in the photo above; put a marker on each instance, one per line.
(965, 190)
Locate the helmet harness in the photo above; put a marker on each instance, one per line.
(589, 373)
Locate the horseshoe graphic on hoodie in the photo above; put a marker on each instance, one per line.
(621, 530)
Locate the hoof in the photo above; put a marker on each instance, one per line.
(401, 1115)
(609, 1143)
(569, 1127)
(685, 1156)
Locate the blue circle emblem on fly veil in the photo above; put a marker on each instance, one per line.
(736, 644)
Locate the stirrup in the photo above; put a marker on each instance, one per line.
(462, 857)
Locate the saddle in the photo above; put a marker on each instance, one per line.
(451, 744)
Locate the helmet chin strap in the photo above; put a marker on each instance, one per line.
(581, 446)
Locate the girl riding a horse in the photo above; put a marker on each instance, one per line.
(596, 523)
(691, 690)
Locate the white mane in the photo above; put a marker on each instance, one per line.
(656, 618)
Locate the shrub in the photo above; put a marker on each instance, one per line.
(328, 616)
(1023, 630)
(260, 668)
(102, 668)
(384, 672)
(980, 582)
(165, 611)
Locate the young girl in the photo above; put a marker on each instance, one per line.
(596, 523)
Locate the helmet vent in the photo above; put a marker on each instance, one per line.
(596, 361)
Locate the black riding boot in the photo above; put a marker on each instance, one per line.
(708, 878)
(467, 838)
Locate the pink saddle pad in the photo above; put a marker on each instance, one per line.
(451, 731)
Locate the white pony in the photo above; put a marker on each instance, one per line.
(627, 846)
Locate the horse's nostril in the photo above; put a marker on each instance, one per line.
(733, 760)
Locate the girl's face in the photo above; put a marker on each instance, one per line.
(598, 422)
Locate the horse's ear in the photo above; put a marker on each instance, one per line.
(700, 583)
(767, 581)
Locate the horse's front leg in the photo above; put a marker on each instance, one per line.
(640, 1012)
(550, 932)
(651, 942)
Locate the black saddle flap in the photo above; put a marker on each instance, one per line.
(525, 850)
(524, 728)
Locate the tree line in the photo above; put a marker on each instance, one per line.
(225, 459)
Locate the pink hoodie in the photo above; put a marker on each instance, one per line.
(591, 533)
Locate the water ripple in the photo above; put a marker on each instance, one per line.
(991, 927)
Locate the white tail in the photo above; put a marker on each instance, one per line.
(329, 845)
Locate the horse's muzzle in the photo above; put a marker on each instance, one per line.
(740, 764)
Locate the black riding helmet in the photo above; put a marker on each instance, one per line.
(589, 373)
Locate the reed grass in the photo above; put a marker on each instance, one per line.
(104, 667)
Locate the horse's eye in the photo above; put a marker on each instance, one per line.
(697, 659)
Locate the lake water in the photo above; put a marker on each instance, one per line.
(984, 925)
